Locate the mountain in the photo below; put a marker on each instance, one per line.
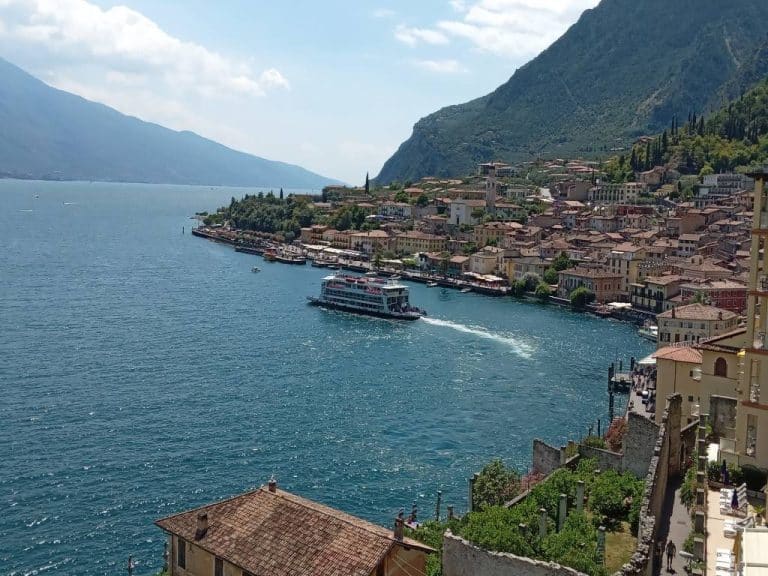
(54, 135)
(624, 69)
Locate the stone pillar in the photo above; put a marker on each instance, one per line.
(700, 497)
(579, 495)
(561, 511)
(699, 522)
(563, 450)
(601, 545)
(450, 512)
(542, 522)
(698, 548)
(472, 481)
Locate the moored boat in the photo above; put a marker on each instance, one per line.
(649, 332)
(366, 295)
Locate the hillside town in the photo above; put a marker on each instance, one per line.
(634, 249)
(685, 464)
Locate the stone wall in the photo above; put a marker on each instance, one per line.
(722, 416)
(639, 444)
(606, 460)
(546, 458)
(656, 478)
(461, 558)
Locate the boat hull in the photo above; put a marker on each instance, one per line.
(313, 301)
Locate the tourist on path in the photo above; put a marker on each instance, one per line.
(671, 550)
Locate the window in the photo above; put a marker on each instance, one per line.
(218, 567)
(721, 367)
(181, 553)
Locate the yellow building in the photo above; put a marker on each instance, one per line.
(625, 259)
(270, 531)
(678, 371)
(414, 241)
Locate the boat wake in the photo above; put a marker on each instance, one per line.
(520, 348)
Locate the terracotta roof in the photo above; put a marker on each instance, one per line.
(698, 312)
(678, 354)
(280, 534)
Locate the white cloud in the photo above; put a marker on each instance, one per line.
(125, 42)
(383, 13)
(513, 28)
(440, 66)
(413, 36)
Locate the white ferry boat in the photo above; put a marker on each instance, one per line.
(366, 295)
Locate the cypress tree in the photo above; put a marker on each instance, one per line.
(367, 184)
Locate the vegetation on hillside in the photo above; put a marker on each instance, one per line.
(614, 75)
(733, 139)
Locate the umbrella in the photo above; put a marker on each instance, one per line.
(735, 500)
(724, 472)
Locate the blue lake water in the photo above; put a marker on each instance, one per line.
(144, 371)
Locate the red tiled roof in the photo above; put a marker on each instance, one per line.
(280, 534)
(698, 312)
(678, 354)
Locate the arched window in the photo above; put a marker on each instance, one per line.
(721, 367)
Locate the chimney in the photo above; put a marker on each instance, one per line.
(272, 485)
(399, 526)
(202, 525)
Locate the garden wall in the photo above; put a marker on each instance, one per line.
(461, 558)
(546, 458)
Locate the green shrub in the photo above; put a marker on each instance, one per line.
(495, 485)
(594, 442)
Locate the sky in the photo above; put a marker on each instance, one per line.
(334, 86)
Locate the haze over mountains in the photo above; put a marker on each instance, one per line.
(51, 134)
(623, 70)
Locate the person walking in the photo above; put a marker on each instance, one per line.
(671, 551)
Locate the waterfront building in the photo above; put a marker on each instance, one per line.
(624, 259)
(518, 266)
(270, 531)
(694, 322)
(605, 285)
(654, 293)
(338, 238)
(487, 260)
(415, 241)
(370, 241)
(313, 234)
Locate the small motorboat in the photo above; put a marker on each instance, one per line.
(465, 290)
(255, 269)
(431, 284)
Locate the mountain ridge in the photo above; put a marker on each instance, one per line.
(51, 134)
(622, 70)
